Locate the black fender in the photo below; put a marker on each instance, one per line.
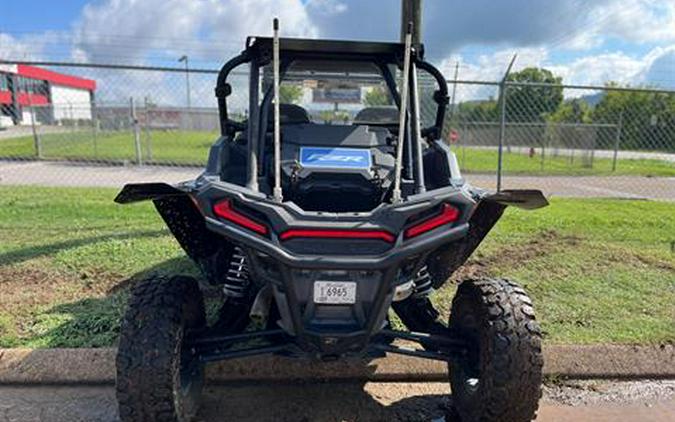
(444, 261)
(418, 313)
(136, 192)
(207, 249)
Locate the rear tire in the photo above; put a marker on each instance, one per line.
(157, 379)
(501, 378)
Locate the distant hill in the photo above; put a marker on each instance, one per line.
(593, 99)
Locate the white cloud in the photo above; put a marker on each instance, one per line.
(660, 68)
(327, 7)
(150, 31)
(656, 69)
(449, 25)
(25, 48)
(207, 29)
(594, 70)
(637, 20)
(489, 68)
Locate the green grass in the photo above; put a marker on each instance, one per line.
(191, 147)
(598, 270)
(475, 160)
(179, 147)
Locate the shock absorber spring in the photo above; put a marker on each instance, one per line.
(237, 279)
(423, 284)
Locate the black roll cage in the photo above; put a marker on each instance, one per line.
(258, 53)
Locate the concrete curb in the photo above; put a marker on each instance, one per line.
(97, 366)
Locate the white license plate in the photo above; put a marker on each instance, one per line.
(335, 292)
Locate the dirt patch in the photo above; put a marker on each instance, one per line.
(30, 293)
(36, 286)
(652, 262)
(622, 255)
(544, 243)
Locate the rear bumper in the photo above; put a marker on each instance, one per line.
(399, 252)
(326, 331)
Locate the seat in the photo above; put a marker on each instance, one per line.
(289, 114)
(377, 115)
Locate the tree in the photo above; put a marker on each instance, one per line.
(478, 111)
(290, 94)
(330, 116)
(647, 119)
(533, 103)
(573, 111)
(377, 96)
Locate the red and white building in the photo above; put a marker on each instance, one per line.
(55, 97)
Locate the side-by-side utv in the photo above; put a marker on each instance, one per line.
(329, 203)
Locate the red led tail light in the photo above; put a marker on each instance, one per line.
(224, 210)
(336, 234)
(448, 214)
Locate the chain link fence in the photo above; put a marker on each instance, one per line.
(160, 122)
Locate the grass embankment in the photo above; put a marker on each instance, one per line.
(598, 270)
(191, 147)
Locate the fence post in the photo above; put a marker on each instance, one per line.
(503, 88)
(502, 132)
(617, 141)
(37, 142)
(593, 146)
(544, 144)
(454, 93)
(137, 133)
(148, 135)
(94, 120)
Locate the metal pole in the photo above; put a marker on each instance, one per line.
(253, 126)
(94, 121)
(396, 194)
(454, 93)
(502, 131)
(416, 130)
(502, 123)
(137, 133)
(544, 144)
(36, 137)
(148, 134)
(617, 141)
(277, 130)
(186, 60)
(411, 11)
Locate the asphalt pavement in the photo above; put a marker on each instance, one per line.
(42, 173)
(586, 401)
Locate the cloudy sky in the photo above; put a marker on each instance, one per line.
(584, 41)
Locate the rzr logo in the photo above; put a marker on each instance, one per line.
(339, 158)
(333, 158)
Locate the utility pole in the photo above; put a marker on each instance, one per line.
(186, 60)
(411, 11)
